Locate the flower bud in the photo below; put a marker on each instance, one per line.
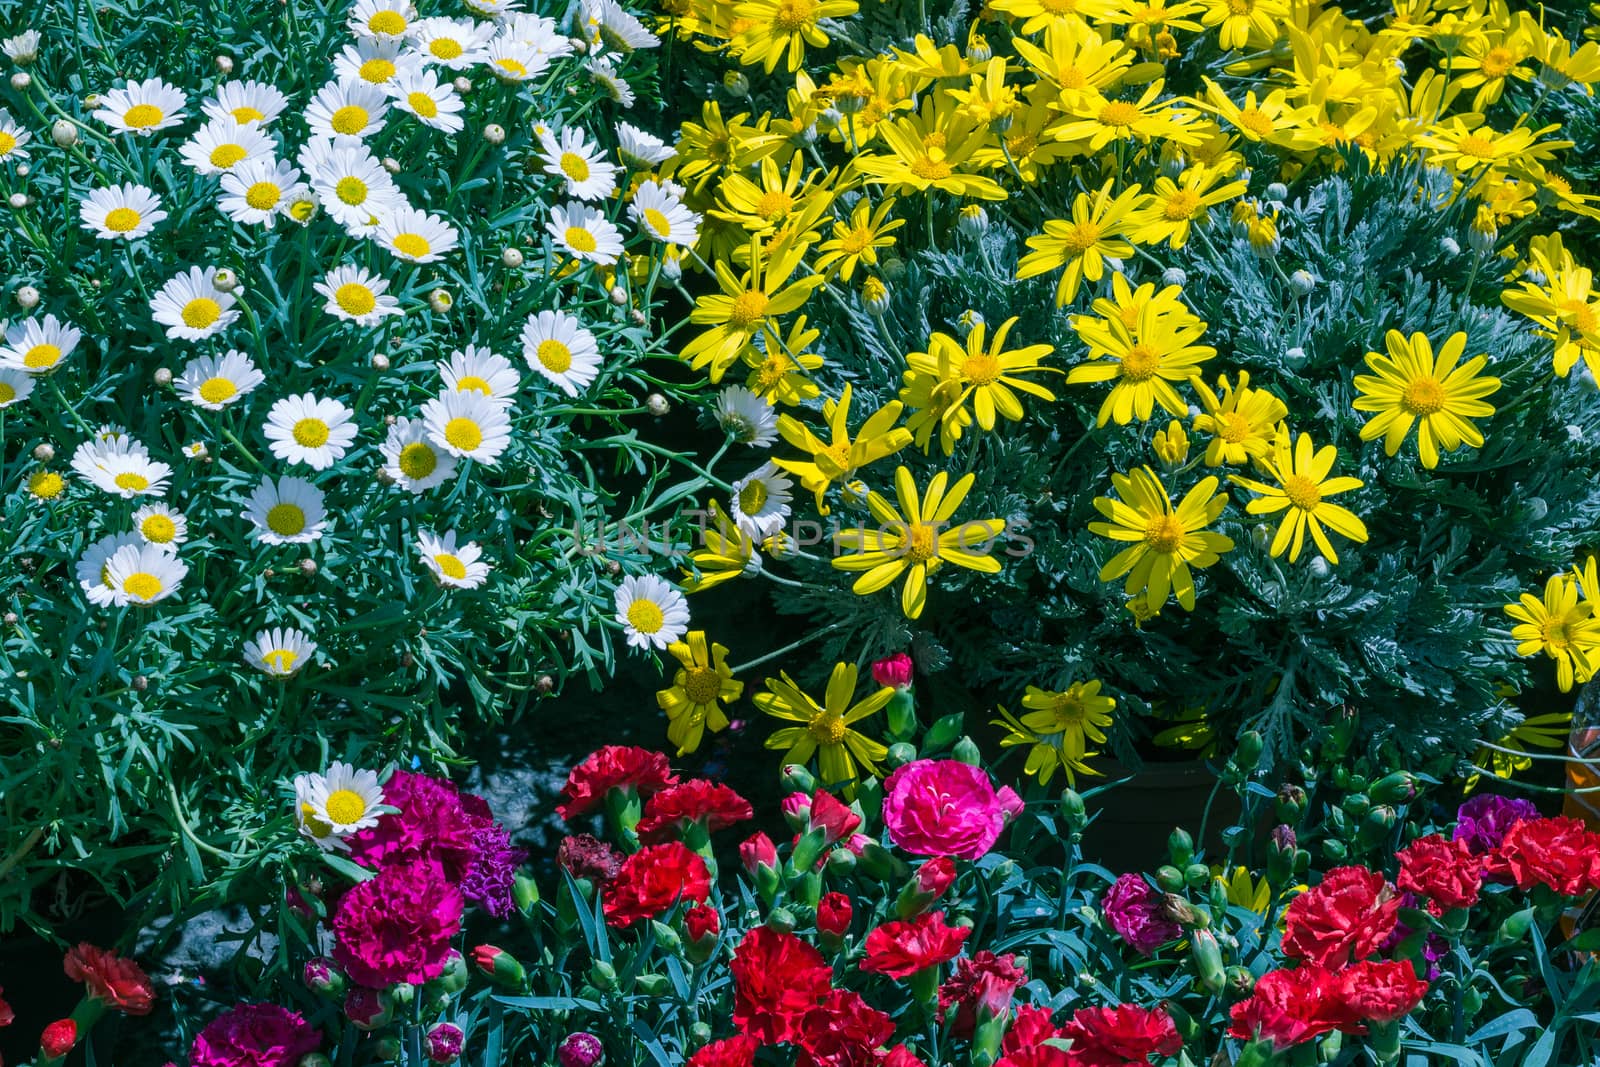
(44, 452)
(1484, 233)
(657, 405)
(391, 164)
(1169, 878)
(162, 376)
(27, 297)
(834, 913)
(841, 861)
(927, 884)
(18, 201)
(525, 892)
(321, 975)
(1174, 276)
(901, 753)
(462, 85)
(494, 133)
(1171, 445)
(966, 750)
(1302, 282)
(1207, 958)
(973, 221)
(1290, 803)
(499, 965)
(443, 1043)
(224, 64)
(737, 85)
(511, 257)
(781, 920)
(1180, 847)
(603, 976)
(1450, 246)
(617, 295)
(893, 671)
(58, 1039)
(1277, 191)
(387, 1049)
(1395, 788)
(1320, 567)
(440, 301)
(20, 82)
(1248, 754)
(368, 1009)
(1073, 812)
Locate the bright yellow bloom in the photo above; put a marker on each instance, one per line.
(1073, 716)
(1560, 627)
(725, 552)
(1166, 541)
(779, 197)
(1301, 493)
(745, 305)
(1242, 423)
(1081, 244)
(857, 241)
(1171, 446)
(1271, 119)
(1566, 304)
(917, 540)
(825, 729)
(1045, 753)
(1551, 730)
(1243, 22)
(1175, 206)
(1050, 14)
(1467, 145)
(699, 690)
(1411, 386)
(940, 381)
(929, 149)
(1075, 61)
(712, 147)
(1491, 58)
(839, 459)
(776, 27)
(782, 374)
(1143, 361)
(1097, 121)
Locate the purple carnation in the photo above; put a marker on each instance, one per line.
(1482, 822)
(397, 926)
(254, 1035)
(488, 880)
(1134, 911)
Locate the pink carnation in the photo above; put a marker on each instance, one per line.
(946, 808)
(397, 926)
(1134, 910)
(254, 1035)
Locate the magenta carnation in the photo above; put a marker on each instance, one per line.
(254, 1035)
(946, 808)
(1134, 911)
(397, 926)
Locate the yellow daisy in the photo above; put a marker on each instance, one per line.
(825, 729)
(699, 690)
(1166, 541)
(1412, 386)
(1301, 493)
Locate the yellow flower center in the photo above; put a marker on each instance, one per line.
(749, 308)
(1580, 313)
(828, 729)
(921, 543)
(350, 190)
(580, 240)
(424, 105)
(1302, 492)
(853, 242)
(46, 485)
(774, 204)
(930, 169)
(355, 299)
(7, 143)
(981, 369)
(216, 390)
(246, 114)
(412, 244)
(263, 196)
(122, 220)
(1140, 363)
(445, 48)
(574, 166)
(417, 461)
(143, 116)
(658, 222)
(377, 71)
(645, 616)
(388, 23)
(7, 393)
(142, 585)
(158, 529)
(349, 120)
(41, 356)
(450, 566)
(310, 433)
(1477, 147)
(1163, 533)
(201, 312)
(793, 16)
(226, 155)
(282, 660)
(1555, 634)
(838, 455)
(464, 434)
(1233, 427)
(286, 520)
(134, 483)
(1497, 63)
(1241, 7)
(1422, 396)
(512, 67)
(1119, 113)
(318, 828)
(1080, 237)
(702, 685)
(1256, 121)
(475, 383)
(753, 497)
(1181, 205)
(1059, 7)
(554, 356)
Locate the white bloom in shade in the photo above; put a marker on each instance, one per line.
(304, 429)
(641, 150)
(415, 235)
(584, 233)
(310, 826)
(122, 211)
(347, 109)
(493, 9)
(289, 511)
(23, 48)
(662, 216)
(557, 345)
(618, 29)
(538, 32)
(413, 461)
(453, 43)
(222, 144)
(603, 74)
(350, 183)
(480, 370)
(383, 19)
(513, 61)
(434, 103)
(257, 191)
(280, 651)
(468, 425)
(158, 524)
(122, 467)
(91, 567)
(457, 566)
(246, 101)
(652, 613)
(142, 107)
(191, 306)
(15, 385)
(357, 295)
(749, 419)
(214, 382)
(375, 61)
(580, 163)
(144, 574)
(14, 138)
(761, 501)
(38, 346)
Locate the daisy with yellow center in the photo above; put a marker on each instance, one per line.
(1467, 146)
(350, 184)
(289, 511)
(651, 613)
(384, 20)
(411, 460)
(584, 234)
(840, 457)
(1243, 22)
(1488, 62)
(310, 430)
(1097, 121)
(158, 524)
(280, 652)
(142, 107)
(977, 370)
(122, 467)
(468, 425)
(15, 386)
(1079, 246)
(222, 144)
(143, 574)
(213, 382)
(46, 485)
(701, 687)
(416, 236)
(918, 539)
(1073, 716)
(1177, 205)
(561, 349)
(14, 138)
(456, 44)
(38, 346)
(777, 31)
(245, 102)
(1143, 361)
(191, 306)
(334, 806)
(91, 568)
(1413, 387)
(856, 241)
(376, 62)
(579, 163)
(1559, 626)
(826, 730)
(1045, 752)
(1242, 424)
(662, 217)
(1302, 493)
(479, 370)
(782, 371)
(761, 501)
(357, 295)
(121, 212)
(1271, 118)
(935, 149)
(434, 103)
(454, 566)
(347, 108)
(1164, 542)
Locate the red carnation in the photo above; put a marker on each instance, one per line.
(652, 880)
(614, 767)
(1442, 870)
(836, 820)
(670, 812)
(777, 978)
(1111, 1037)
(902, 1056)
(935, 876)
(901, 949)
(7, 1017)
(586, 856)
(1559, 853)
(842, 1031)
(735, 1051)
(702, 922)
(1290, 1008)
(982, 983)
(1345, 918)
(1024, 1043)
(121, 983)
(758, 851)
(58, 1038)
(1381, 991)
(833, 915)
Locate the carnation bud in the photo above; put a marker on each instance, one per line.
(323, 976)
(1207, 957)
(1180, 911)
(973, 220)
(1174, 276)
(878, 862)
(1180, 847)
(1396, 788)
(525, 891)
(1073, 812)
(368, 1009)
(223, 63)
(927, 884)
(657, 405)
(901, 753)
(760, 859)
(499, 965)
(794, 778)
(834, 913)
(1290, 804)
(511, 257)
(20, 82)
(1169, 878)
(494, 133)
(966, 750)
(1376, 826)
(893, 671)
(797, 811)
(58, 1039)
(443, 1043)
(603, 976)
(1302, 282)
(387, 1049)
(841, 862)
(702, 923)
(782, 920)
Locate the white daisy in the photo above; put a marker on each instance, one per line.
(513, 61)
(311, 826)
(15, 385)
(304, 429)
(357, 295)
(384, 19)
(579, 163)
(245, 102)
(558, 346)
(480, 370)
(618, 29)
(415, 235)
(257, 191)
(158, 524)
(24, 47)
(411, 460)
(122, 211)
(538, 32)
(344, 800)
(374, 61)
(761, 501)
(459, 567)
(652, 613)
(347, 109)
(142, 107)
(39, 346)
(468, 425)
(280, 651)
(434, 104)
(213, 382)
(350, 183)
(191, 306)
(122, 467)
(746, 417)
(454, 43)
(222, 144)
(143, 574)
(14, 138)
(603, 74)
(662, 216)
(640, 149)
(289, 511)
(91, 567)
(584, 233)
(493, 9)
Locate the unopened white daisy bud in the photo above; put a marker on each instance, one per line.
(391, 164)
(224, 64)
(671, 267)
(64, 134)
(1174, 276)
(225, 280)
(737, 85)
(973, 221)
(141, 683)
(18, 200)
(380, 361)
(494, 133)
(1277, 191)
(440, 300)
(11, 618)
(618, 295)
(545, 683)
(23, 170)
(27, 298)
(636, 317)
(21, 80)
(580, 45)
(1302, 282)
(463, 85)
(92, 100)
(23, 48)
(162, 376)
(308, 566)
(511, 257)
(1319, 567)
(657, 404)
(44, 452)
(1295, 357)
